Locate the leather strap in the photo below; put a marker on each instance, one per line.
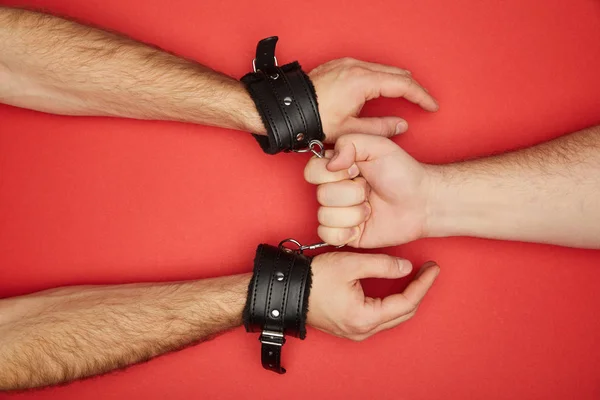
(277, 301)
(265, 53)
(286, 101)
(270, 351)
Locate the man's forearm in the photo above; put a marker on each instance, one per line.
(54, 65)
(64, 334)
(549, 193)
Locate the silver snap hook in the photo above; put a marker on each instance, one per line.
(314, 146)
(300, 248)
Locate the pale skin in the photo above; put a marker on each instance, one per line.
(373, 194)
(63, 334)
(53, 65)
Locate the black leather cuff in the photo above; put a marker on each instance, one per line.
(277, 301)
(286, 101)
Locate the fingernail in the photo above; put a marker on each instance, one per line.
(353, 171)
(401, 127)
(368, 206)
(405, 266)
(429, 264)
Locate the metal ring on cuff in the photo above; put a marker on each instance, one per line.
(311, 147)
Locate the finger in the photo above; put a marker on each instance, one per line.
(316, 172)
(381, 126)
(397, 305)
(393, 323)
(355, 148)
(393, 85)
(343, 217)
(418, 288)
(390, 69)
(382, 266)
(343, 193)
(338, 236)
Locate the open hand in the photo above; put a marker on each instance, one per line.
(338, 305)
(343, 87)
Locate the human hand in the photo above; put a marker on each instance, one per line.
(343, 87)
(371, 192)
(338, 305)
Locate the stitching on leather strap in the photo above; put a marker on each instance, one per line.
(263, 106)
(295, 101)
(278, 100)
(271, 287)
(288, 274)
(310, 97)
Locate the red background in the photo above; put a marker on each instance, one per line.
(99, 200)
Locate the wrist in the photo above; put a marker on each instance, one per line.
(443, 193)
(463, 201)
(228, 294)
(245, 117)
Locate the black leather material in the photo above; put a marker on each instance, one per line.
(286, 101)
(265, 53)
(277, 300)
(270, 352)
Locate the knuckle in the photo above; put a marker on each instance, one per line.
(313, 170)
(358, 338)
(355, 70)
(341, 236)
(322, 215)
(357, 326)
(413, 309)
(364, 328)
(322, 194)
(329, 235)
(412, 313)
(361, 190)
(385, 261)
(364, 212)
(308, 172)
(408, 81)
(344, 141)
(379, 126)
(348, 60)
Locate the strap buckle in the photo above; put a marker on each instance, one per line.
(271, 337)
(254, 64)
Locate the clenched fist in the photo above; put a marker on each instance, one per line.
(372, 193)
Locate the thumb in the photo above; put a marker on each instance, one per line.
(382, 266)
(380, 126)
(354, 148)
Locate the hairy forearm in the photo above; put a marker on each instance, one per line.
(54, 65)
(65, 334)
(548, 193)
